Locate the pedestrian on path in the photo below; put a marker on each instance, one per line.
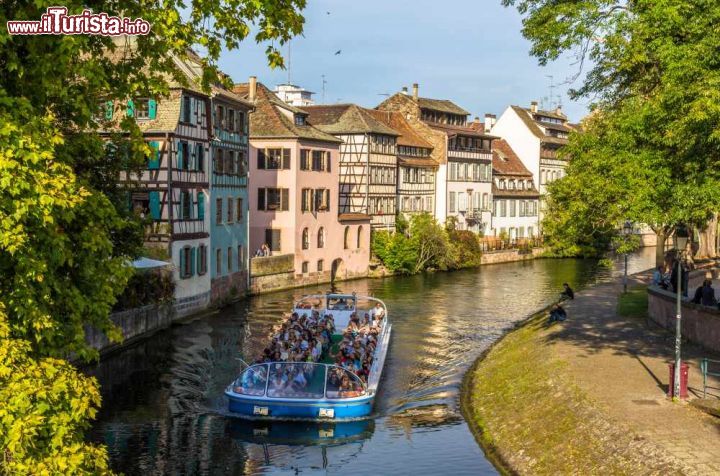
(567, 293)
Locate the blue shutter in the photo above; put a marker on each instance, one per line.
(152, 109)
(199, 157)
(154, 162)
(179, 155)
(154, 198)
(130, 108)
(201, 206)
(192, 261)
(108, 110)
(182, 262)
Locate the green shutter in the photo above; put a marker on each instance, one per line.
(179, 155)
(154, 162)
(181, 208)
(130, 108)
(152, 108)
(182, 262)
(192, 261)
(201, 206)
(108, 110)
(154, 198)
(199, 159)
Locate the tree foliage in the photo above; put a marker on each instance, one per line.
(651, 150)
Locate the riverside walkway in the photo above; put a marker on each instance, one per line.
(622, 364)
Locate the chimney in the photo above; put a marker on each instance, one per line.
(490, 120)
(404, 90)
(558, 110)
(415, 91)
(533, 106)
(252, 88)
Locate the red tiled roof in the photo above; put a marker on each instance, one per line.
(346, 118)
(396, 121)
(506, 161)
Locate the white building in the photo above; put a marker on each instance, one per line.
(294, 95)
(515, 198)
(535, 136)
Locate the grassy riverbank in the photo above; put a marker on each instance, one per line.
(531, 418)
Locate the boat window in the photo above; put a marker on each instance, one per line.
(252, 381)
(342, 383)
(341, 304)
(296, 380)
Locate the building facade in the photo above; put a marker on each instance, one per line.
(294, 95)
(515, 198)
(536, 136)
(464, 176)
(229, 195)
(172, 192)
(368, 161)
(293, 194)
(417, 171)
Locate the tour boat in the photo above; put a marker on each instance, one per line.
(255, 394)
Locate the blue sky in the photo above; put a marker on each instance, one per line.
(469, 51)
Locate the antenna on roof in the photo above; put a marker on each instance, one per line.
(323, 88)
(552, 89)
(289, 64)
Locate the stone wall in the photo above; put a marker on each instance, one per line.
(228, 288)
(700, 324)
(507, 256)
(134, 324)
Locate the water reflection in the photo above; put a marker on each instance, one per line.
(164, 412)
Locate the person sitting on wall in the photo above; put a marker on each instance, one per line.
(705, 294)
(557, 313)
(567, 293)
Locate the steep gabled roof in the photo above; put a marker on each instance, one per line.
(506, 162)
(267, 121)
(533, 125)
(441, 105)
(346, 119)
(396, 121)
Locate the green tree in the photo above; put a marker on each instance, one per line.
(431, 242)
(655, 82)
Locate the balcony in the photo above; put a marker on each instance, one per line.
(189, 227)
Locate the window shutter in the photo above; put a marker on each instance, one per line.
(182, 262)
(154, 162)
(327, 162)
(154, 198)
(152, 109)
(130, 108)
(192, 261)
(286, 158)
(179, 155)
(261, 199)
(181, 208)
(284, 199)
(108, 110)
(327, 199)
(275, 241)
(268, 236)
(261, 159)
(201, 206)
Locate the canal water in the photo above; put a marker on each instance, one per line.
(163, 411)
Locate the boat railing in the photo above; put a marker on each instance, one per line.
(299, 380)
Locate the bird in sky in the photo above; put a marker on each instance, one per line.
(328, 13)
(338, 52)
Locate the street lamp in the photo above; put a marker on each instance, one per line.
(681, 240)
(627, 231)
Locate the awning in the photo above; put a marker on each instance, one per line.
(148, 263)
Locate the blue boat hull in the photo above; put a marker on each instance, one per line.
(276, 408)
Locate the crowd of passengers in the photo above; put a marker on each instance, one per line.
(303, 340)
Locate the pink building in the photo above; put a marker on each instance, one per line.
(294, 192)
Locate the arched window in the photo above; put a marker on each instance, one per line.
(305, 239)
(359, 236)
(321, 238)
(346, 238)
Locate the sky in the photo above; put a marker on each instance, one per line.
(469, 51)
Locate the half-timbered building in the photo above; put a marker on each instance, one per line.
(294, 192)
(515, 198)
(464, 178)
(536, 136)
(368, 161)
(416, 169)
(228, 194)
(172, 192)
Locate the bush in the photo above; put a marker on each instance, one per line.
(464, 249)
(150, 287)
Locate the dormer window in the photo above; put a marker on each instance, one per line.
(299, 120)
(502, 184)
(521, 185)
